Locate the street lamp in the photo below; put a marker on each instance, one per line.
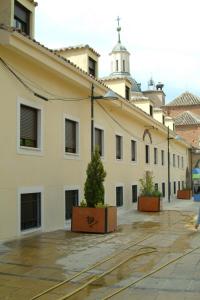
(110, 95)
(177, 137)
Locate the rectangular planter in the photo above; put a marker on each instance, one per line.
(184, 194)
(95, 220)
(149, 203)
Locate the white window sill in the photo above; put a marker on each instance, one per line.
(68, 155)
(29, 151)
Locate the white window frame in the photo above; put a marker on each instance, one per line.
(96, 126)
(26, 190)
(136, 150)
(68, 155)
(40, 128)
(122, 148)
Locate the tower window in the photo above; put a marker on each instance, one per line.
(117, 65)
(123, 65)
(22, 18)
(151, 110)
(127, 91)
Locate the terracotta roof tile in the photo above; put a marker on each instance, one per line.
(185, 99)
(77, 47)
(187, 118)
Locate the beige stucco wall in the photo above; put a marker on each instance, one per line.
(118, 86)
(158, 115)
(144, 105)
(49, 170)
(80, 57)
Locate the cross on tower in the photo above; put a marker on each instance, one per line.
(118, 29)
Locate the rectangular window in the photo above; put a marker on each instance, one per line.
(155, 156)
(118, 147)
(119, 196)
(183, 184)
(28, 126)
(22, 18)
(117, 66)
(147, 158)
(163, 120)
(162, 157)
(163, 189)
(174, 160)
(182, 162)
(151, 110)
(99, 140)
(133, 150)
(123, 65)
(156, 186)
(71, 136)
(178, 158)
(71, 199)
(92, 67)
(30, 211)
(127, 93)
(174, 187)
(134, 193)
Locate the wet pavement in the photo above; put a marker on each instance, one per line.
(150, 256)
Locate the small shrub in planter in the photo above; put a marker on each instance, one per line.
(149, 199)
(93, 215)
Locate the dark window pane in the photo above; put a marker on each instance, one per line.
(127, 93)
(133, 150)
(28, 126)
(119, 196)
(99, 140)
(151, 110)
(22, 17)
(134, 193)
(71, 199)
(147, 154)
(70, 136)
(163, 189)
(155, 155)
(174, 187)
(156, 186)
(118, 147)
(30, 210)
(92, 67)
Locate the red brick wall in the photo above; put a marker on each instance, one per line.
(190, 134)
(177, 110)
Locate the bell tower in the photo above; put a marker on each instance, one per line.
(119, 57)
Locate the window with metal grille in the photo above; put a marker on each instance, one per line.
(71, 199)
(118, 147)
(99, 140)
(133, 150)
(30, 211)
(134, 193)
(119, 196)
(92, 67)
(147, 159)
(155, 156)
(156, 186)
(28, 126)
(22, 18)
(70, 136)
(163, 189)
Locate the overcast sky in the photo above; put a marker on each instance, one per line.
(161, 35)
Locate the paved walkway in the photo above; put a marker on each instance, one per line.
(143, 243)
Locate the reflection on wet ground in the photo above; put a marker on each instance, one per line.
(31, 265)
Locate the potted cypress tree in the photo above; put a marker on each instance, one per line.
(93, 215)
(149, 199)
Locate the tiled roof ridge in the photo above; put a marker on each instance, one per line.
(187, 118)
(185, 99)
(13, 29)
(114, 78)
(76, 47)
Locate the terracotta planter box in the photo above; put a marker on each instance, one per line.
(184, 194)
(95, 220)
(149, 203)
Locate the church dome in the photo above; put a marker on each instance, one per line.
(119, 47)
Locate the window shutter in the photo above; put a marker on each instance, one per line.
(28, 126)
